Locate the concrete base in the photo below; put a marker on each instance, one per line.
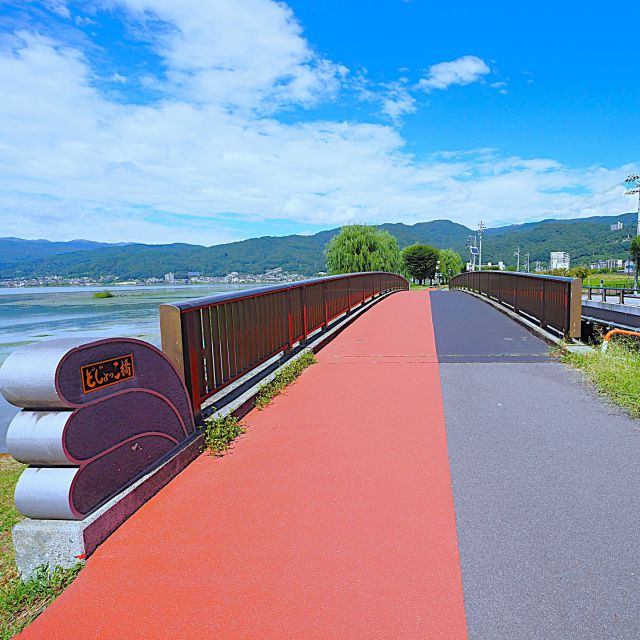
(66, 542)
(579, 348)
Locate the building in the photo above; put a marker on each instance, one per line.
(169, 277)
(611, 263)
(618, 226)
(559, 260)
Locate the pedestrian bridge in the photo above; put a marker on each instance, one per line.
(437, 474)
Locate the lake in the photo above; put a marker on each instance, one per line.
(32, 314)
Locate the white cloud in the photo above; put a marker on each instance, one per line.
(240, 54)
(465, 70)
(212, 151)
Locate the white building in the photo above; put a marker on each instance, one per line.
(559, 260)
(617, 226)
(169, 277)
(610, 263)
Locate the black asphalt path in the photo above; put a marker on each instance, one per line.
(546, 484)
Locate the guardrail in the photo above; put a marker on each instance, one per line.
(216, 340)
(551, 301)
(603, 292)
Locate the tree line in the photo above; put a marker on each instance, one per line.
(360, 248)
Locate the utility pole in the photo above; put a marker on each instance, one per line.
(516, 254)
(481, 228)
(526, 257)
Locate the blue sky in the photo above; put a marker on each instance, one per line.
(161, 121)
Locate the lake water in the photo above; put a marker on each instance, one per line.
(31, 314)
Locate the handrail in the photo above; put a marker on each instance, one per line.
(216, 340)
(554, 302)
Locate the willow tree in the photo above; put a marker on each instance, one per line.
(362, 248)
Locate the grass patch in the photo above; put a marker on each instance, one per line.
(614, 373)
(220, 432)
(287, 375)
(103, 294)
(610, 280)
(21, 602)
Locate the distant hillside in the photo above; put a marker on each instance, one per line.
(16, 250)
(585, 239)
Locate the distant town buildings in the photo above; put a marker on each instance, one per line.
(618, 226)
(559, 260)
(169, 277)
(610, 263)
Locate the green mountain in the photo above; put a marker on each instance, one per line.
(585, 239)
(16, 250)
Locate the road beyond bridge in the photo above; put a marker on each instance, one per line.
(436, 475)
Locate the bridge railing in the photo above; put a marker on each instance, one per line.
(551, 301)
(216, 340)
(605, 292)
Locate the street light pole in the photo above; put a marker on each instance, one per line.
(516, 254)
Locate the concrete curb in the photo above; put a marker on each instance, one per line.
(66, 542)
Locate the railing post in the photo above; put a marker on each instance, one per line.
(290, 319)
(575, 306)
(171, 336)
(305, 324)
(326, 305)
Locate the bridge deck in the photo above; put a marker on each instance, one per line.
(333, 517)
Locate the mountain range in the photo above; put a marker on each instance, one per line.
(585, 239)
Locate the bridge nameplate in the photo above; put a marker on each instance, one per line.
(98, 375)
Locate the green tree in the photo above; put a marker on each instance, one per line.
(362, 248)
(634, 250)
(450, 264)
(420, 261)
(581, 272)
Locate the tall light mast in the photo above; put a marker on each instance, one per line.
(516, 254)
(633, 187)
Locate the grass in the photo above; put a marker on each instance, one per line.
(615, 373)
(103, 294)
(220, 432)
(287, 375)
(21, 602)
(610, 280)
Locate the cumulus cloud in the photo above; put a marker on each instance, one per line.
(240, 54)
(465, 70)
(213, 152)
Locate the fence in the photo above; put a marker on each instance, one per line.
(216, 340)
(553, 302)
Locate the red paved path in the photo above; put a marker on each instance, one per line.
(331, 518)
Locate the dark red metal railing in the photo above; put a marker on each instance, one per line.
(214, 341)
(551, 301)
